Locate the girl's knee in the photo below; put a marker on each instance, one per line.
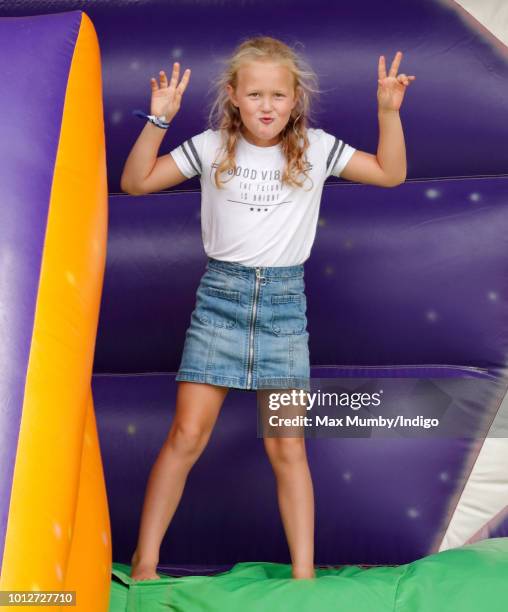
(187, 439)
(285, 450)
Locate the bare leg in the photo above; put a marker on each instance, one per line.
(197, 408)
(285, 448)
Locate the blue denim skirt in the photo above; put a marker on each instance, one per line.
(248, 329)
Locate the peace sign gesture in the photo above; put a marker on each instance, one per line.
(391, 88)
(166, 98)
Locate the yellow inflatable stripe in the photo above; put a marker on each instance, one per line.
(58, 534)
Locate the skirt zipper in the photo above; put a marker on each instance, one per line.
(251, 331)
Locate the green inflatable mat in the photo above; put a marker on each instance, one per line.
(466, 579)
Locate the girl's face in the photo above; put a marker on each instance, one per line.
(264, 90)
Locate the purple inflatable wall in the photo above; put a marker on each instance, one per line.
(404, 283)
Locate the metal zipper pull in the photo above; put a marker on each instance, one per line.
(259, 277)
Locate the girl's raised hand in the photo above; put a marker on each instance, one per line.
(391, 88)
(166, 98)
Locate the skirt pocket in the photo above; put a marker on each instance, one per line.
(288, 314)
(218, 307)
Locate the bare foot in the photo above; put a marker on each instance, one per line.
(143, 570)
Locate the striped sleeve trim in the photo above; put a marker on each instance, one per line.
(334, 156)
(192, 155)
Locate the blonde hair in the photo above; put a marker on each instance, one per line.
(225, 117)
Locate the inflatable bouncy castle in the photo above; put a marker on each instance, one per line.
(407, 293)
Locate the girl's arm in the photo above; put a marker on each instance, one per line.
(144, 172)
(388, 168)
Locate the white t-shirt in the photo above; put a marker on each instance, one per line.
(255, 220)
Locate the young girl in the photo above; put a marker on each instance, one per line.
(262, 171)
